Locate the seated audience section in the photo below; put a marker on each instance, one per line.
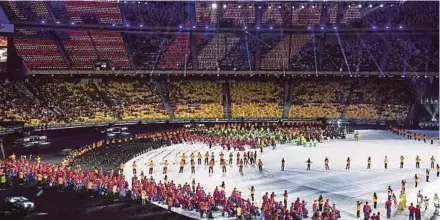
(111, 47)
(196, 99)
(93, 12)
(256, 99)
(80, 48)
(318, 97)
(38, 50)
(380, 98)
(75, 101)
(133, 100)
(16, 105)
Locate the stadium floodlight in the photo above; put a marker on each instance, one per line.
(141, 25)
(258, 28)
(374, 27)
(293, 6)
(214, 6)
(43, 21)
(127, 25)
(387, 27)
(302, 6)
(322, 27)
(370, 6)
(57, 22)
(381, 5)
(113, 25)
(259, 7)
(194, 26)
(400, 26)
(334, 27)
(279, 6)
(245, 27)
(392, 5)
(239, 6)
(313, 6)
(269, 7)
(72, 23)
(308, 28)
(359, 6)
(271, 27)
(207, 27)
(224, 6)
(180, 26)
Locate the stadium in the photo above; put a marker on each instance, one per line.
(269, 110)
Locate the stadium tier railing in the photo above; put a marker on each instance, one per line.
(225, 72)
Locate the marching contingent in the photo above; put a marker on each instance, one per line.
(249, 142)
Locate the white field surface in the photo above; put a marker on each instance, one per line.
(342, 187)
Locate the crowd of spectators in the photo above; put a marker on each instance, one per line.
(133, 100)
(256, 99)
(17, 105)
(319, 97)
(196, 99)
(42, 101)
(73, 100)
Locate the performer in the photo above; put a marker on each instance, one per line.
(134, 166)
(438, 170)
(369, 163)
(385, 162)
(390, 192)
(151, 165)
(211, 166)
(375, 200)
(260, 165)
(231, 155)
(402, 201)
(165, 167)
(182, 164)
(418, 162)
(326, 164)
(193, 166)
(199, 158)
(402, 160)
(432, 162)
(240, 166)
(427, 175)
(206, 158)
(282, 164)
(309, 162)
(347, 167)
(252, 193)
(285, 196)
(416, 180)
(223, 165)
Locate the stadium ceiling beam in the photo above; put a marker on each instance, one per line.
(137, 29)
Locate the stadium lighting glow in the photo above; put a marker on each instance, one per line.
(43, 21)
(400, 26)
(308, 28)
(194, 26)
(293, 7)
(381, 5)
(127, 25)
(359, 6)
(72, 23)
(271, 27)
(258, 28)
(322, 28)
(302, 6)
(270, 7)
(259, 7)
(245, 27)
(57, 22)
(374, 27)
(313, 6)
(180, 26)
(214, 6)
(279, 6)
(370, 6)
(239, 6)
(392, 5)
(387, 27)
(206, 27)
(224, 6)
(113, 25)
(141, 25)
(335, 28)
